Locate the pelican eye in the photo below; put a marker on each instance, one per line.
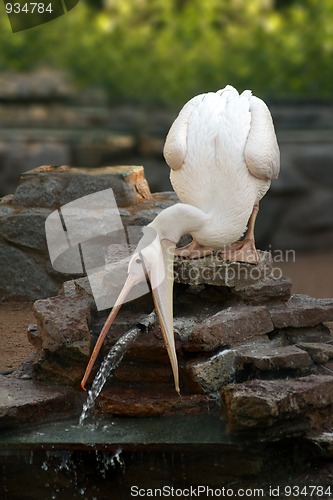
(138, 261)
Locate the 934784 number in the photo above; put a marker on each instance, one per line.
(28, 8)
(308, 491)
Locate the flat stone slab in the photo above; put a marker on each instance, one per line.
(230, 327)
(27, 402)
(212, 270)
(267, 289)
(254, 283)
(301, 310)
(319, 352)
(319, 333)
(305, 402)
(273, 359)
(141, 402)
(52, 187)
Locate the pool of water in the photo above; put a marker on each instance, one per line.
(120, 458)
(124, 458)
(195, 429)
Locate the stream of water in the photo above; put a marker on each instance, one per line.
(112, 361)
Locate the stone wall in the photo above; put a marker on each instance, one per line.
(247, 350)
(43, 120)
(26, 271)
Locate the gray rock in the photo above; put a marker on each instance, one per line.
(147, 402)
(42, 187)
(63, 339)
(30, 280)
(302, 403)
(323, 443)
(267, 289)
(318, 333)
(63, 326)
(253, 283)
(320, 353)
(25, 401)
(272, 358)
(300, 311)
(25, 227)
(77, 288)
(128, 183)
(210, 375)
(212, 270)
(53, 187)
(230, 327)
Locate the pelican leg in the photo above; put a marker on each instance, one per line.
(193, 251)
(245, 250)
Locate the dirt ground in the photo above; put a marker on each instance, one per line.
(311, 275)
(14, 345)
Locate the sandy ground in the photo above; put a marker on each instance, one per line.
(14, 345)
(311, 274)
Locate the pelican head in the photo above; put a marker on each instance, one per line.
(153, 260)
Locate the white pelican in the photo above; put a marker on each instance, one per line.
(223, 154)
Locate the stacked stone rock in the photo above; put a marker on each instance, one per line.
(23, 245)
(258, 356)
(249, 350)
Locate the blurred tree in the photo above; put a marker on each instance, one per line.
(164, 51)
(96, 4)
(280, 4)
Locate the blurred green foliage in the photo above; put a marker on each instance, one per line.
(165, 51)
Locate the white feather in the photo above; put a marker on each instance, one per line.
(223, 153)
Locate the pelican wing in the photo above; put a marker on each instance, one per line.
(175, 146)
(262, 153)
(213, 136)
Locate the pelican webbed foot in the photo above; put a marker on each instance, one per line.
(193, 251)
(241, 251)
(244, 250)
